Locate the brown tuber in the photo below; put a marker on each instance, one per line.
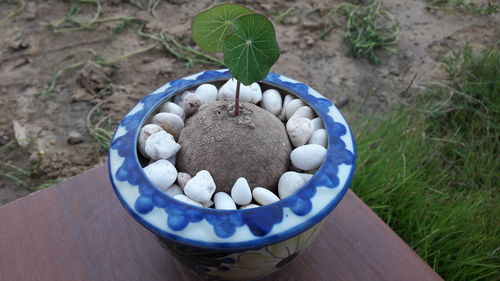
(253, 145)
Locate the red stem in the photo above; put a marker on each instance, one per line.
(237, 100)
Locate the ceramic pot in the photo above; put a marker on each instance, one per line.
(233, 244)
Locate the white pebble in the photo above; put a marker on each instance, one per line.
(287, 99)
(173, 190)
(317, 124)
(289, 183)
(161, 173)
(304, 111)
(161, 145)
(228, 91)
(147, 131)
(256, 93)
(170, 107)
(207, 92)
(223, 201)
(185, 199)
(282, 115)
(241, 192)
(191, 103)
(170, 122)
(250, 93)
(319, 137)
(179, 98)
(308, 157)
(249, 206)
(292, 106)
(201, 187)
(182, 179)
(272, 101)
(264, 196)
(306, 176)
(208, 204)
(299, 130)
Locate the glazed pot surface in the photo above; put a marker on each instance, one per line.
(226, 241)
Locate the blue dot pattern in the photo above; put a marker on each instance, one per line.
(260, 221)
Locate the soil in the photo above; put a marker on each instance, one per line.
(31, 53)
(253, 145)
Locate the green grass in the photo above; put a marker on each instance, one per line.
(432, 171)
(367, 28)
(279, 16)
(25, 173)
(69, 23)
(12, 14)
(171, 45)
(466, 116)
(487, 7)
(100, 127)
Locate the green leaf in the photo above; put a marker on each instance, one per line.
(252, 49)
(210, 27)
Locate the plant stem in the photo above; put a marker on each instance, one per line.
(237, 100)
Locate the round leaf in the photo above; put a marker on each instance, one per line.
(210, 27)
(251, 50)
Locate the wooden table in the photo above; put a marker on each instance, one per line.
(77, 230)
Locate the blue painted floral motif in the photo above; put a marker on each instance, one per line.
(260, 221)
(337, 153)
(180, 217)
(224, 224)
(254, 263)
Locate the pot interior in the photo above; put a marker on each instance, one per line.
(217, 83)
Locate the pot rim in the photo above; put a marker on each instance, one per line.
(231, 229)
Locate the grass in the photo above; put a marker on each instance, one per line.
(69, 18)
(69, 23)
(465, 6)
(21, 5)
(431, 171)
(57, 76)
(100, 127)
(181, 51)
(279, 16)
(24, 175)
(368, 28)
(468, 117)
(151, 5)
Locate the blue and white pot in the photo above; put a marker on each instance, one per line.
(233, 244)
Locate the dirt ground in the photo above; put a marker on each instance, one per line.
(57, 135)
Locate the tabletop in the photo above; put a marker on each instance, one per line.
(78, 230)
